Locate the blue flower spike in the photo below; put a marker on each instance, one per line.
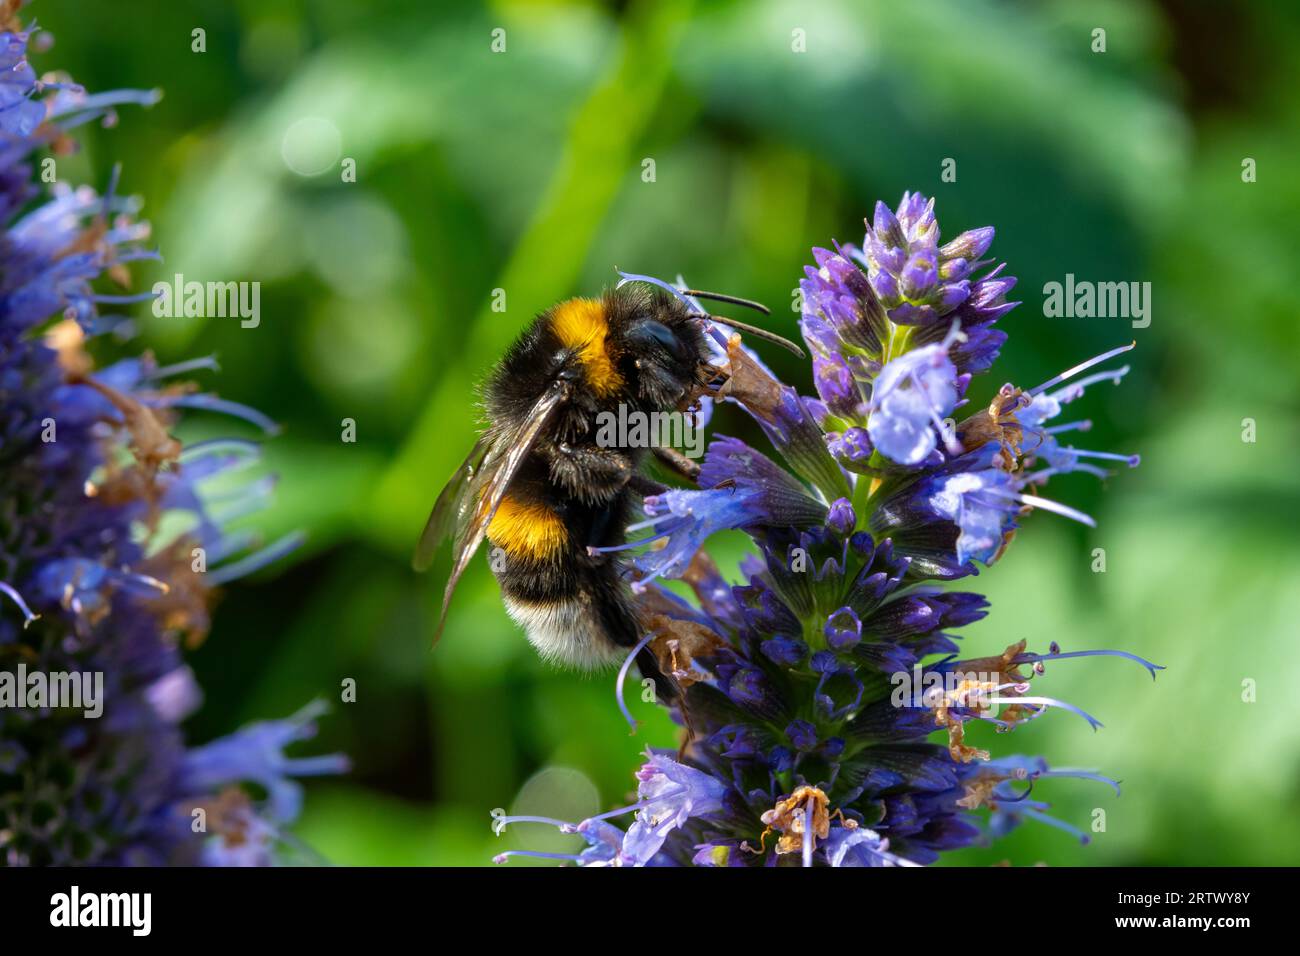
(827, 704)
(93, 584)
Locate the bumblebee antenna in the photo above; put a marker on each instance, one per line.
(683, 294)
(732, 299)
(755, 331)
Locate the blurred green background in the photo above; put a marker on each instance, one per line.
(522, 170)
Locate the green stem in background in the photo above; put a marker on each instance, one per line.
(597, 160)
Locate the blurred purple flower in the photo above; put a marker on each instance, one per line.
(90, 583)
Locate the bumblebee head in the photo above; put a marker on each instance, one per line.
(687, 298)
(665, 330)
(663, 347)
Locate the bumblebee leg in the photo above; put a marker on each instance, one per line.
(678, 463)
(646, 486)
(598, 534)
(592, 475)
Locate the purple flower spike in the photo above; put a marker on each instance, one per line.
(96, 581)
(811, 689)
(916, 279)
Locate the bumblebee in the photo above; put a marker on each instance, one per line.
(545, 493)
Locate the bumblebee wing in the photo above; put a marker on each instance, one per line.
(488, 486)
(452, 504)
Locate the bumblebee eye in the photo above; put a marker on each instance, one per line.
(652, 332)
